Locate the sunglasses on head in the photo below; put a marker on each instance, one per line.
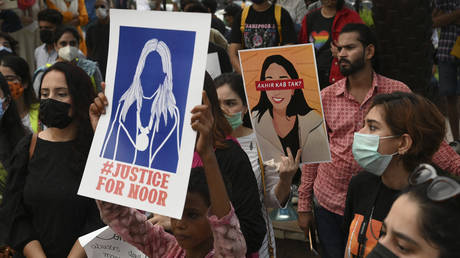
(441, 188)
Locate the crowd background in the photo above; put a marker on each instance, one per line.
(363, 48)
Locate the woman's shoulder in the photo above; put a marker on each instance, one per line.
(364, 179)
(310, 121)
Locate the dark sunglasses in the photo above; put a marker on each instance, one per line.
(441, 188)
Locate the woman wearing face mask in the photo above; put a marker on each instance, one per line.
(423, 221)
(74, 13)
(42, 209)
(401, 130)
(274, 188)
(8, 45)
(66, 40)
(16, 72)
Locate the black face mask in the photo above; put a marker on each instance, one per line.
(46, 36)
(54, 113)
(380, 251)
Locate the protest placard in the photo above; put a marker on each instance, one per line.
(284, 99)
(143, 147)
(106, 243)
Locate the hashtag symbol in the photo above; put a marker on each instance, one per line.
(107, 169)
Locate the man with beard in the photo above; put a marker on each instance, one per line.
(262, 24)
(345, 105)
(48, 21)
(321, 26)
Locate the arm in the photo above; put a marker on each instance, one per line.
(446, 158)
(236, 43)
(287, 28)
(202, 122)
(82, 13)
(34, 249)
(303, 34)
(77, 251)
(233, 54)
(135, 229)
(304, 208)
(224, 222)
(442, 19)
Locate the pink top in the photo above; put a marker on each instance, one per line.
(154, 242)
(344, 116)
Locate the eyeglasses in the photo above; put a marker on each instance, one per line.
(441, 188)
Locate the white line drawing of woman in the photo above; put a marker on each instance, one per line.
(163, 105)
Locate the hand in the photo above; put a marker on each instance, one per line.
(203, 122)
(97, 108)
(109, 211)
(289, 166)
(305, 221)
(334, 49)
(160, 220)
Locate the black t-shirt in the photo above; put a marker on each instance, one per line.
(261, 29)
(97, 40)
(366, 195)
(291, 140)
(243, 192)
(319, 33)
(50, 210)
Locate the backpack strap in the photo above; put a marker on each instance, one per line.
(33, 142)
(278, 21)
(244, 16)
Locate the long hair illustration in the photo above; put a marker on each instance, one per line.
(163, 106)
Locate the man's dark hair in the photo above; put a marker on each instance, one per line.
(195, 7)
(210, 4)
(232, 10)
(366, 37)
(51, 16)
(340, 4)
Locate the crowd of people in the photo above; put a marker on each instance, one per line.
(391, 188)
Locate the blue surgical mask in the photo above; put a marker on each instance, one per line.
(2, 111)
(234, 120)
(365, 150)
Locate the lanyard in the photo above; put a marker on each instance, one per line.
(366, 222)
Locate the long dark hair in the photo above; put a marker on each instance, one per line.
(82, 94)
(21, 69)
(10, 124)
(437, 220)
(222, 128)
(235, 81)
(297, 106)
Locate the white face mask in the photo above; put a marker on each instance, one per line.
(68, 53)
(101, 13)
(7, 49)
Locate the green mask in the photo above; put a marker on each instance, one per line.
(234, 120)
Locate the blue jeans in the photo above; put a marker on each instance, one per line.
(330, 232)
(449, 83)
